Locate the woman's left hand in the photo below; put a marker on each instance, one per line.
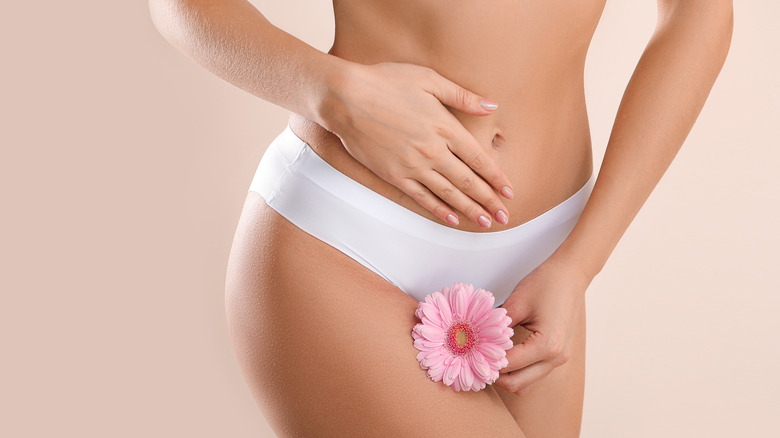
(547, 303)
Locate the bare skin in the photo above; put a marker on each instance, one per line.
(324, 343)
(528, 59)
(325, 347)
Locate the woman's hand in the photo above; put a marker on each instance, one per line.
(546, 302)
(391, 118)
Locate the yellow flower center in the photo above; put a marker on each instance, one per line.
(461, 337)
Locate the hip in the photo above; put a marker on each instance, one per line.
(414, 253)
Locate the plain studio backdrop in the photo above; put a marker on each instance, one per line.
(125, 166)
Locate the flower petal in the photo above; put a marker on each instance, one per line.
(493, 319)
(490, 314)
(466, 375)
(457, 300)
(429, 322)
(479, 365)
(491, 351)
(468, 293)
(433, 359)
(431, 333)
(436, 373)
(480, 304)
(491, 333)
(423, 344)
(431, 313)
(452, 371)
(456, 385)
(421, 358)
(418, 311)
(461, 303)
(507, 321)
(444, 308)
(506, 344)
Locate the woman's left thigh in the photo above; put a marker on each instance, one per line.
(553, 406)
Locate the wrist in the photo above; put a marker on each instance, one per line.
(330, 107)
(583, 269)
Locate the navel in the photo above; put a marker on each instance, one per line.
(498, 141)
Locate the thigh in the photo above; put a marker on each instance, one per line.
(553, 406)
(326, 347)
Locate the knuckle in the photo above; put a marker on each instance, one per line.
(555, 348)
(497, 179)
(478, 161)
(439, 211)
(428, 152)
(408, 159)
(383, 171)
(502, 383)
(390, 177)
(527, 388)
(491, 202)
(563, 357)
(462, 96)
(467, 183)
(513, 387)
(407, 185)
(447, 193)
(472, 211)
(440, 130)
(421, 149)
(419, 194)
(432, 77)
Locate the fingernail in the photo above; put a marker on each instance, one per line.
(502, 217)
(484, 221)
(488, 104)
(451, 218)
(507, 192)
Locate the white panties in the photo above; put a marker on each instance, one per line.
(412, 252)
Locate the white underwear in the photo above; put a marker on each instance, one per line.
(414, 253)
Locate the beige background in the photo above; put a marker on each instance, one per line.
(124, 167)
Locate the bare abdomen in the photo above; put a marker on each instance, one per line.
(529, 59)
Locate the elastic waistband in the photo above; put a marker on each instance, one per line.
(288, 156)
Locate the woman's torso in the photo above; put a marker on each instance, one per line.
(527, 56)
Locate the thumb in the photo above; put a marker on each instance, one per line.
(455, 96)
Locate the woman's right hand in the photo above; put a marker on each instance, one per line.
(391, 118)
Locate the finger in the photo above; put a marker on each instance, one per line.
(520, 381)
(455, 96)
(428, 200)
(463, 144)
(466, 181)
(447, 192)
(515, 306)
(532, 350)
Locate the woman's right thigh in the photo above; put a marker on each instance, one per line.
(325, 344)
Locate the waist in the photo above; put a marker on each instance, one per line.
(546, 157)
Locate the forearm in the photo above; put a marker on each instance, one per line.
(662, 101)
(236, 42)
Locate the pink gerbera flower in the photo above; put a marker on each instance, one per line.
(462, 339)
